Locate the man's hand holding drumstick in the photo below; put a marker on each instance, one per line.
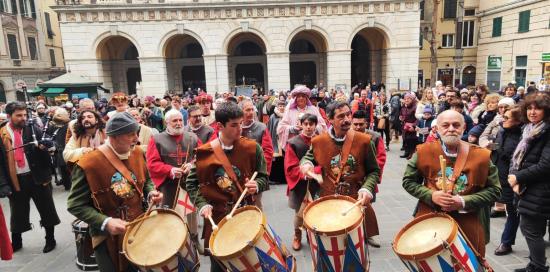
(443, 198)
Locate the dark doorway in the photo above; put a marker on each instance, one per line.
(360, 61)
(303, 72)
(2, 93)
(133, 75)
(253, 74)
(193, 77)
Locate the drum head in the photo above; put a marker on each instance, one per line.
(424, 235)
(159, 238)
(325, 214)
(234, 234)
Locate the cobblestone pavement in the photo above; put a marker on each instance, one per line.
(393, 208)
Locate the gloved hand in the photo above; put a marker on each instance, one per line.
(5, 190)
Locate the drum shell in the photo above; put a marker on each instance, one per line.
(85, 257)
(263, 240)
(356, 231)
(187, 250)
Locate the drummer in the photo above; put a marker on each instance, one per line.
(222, 170)
(358, 175)
(472, 186)
(102, 197)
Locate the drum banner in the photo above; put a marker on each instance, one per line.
(352, 262)
(323, 261)
(184, 206)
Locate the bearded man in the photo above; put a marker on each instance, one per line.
(169, 156)
(472, 185)
(88, 134)
(204, 132)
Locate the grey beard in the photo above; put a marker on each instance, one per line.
(174, 131)
(450, 140)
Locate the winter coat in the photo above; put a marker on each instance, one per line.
(533, 178)
(507, 140)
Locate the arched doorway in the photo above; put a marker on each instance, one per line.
(368, 56)
(2, 93)
(469, 76)
(120, 64)
(247, 61)
(308, 59)
(184, 63)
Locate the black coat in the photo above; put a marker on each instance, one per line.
(39, 160)
(534, 177)
(507, 141)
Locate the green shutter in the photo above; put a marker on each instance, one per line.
(524, 17)
(449, 9)
(497, 26)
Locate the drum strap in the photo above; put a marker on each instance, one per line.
(463, 151)
(220, 155)
(119, 166)
(346, 148)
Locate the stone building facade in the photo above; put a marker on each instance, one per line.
(181, 44)
(514, 43)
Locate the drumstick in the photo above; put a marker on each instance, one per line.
(214, 226)
(314, 176)
(131, 239)
(153, 213)
(443, 165)
(230, 215)
(344, 213)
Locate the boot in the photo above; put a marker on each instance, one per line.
(16, 241)
(372, 241)
(297, 240)
(198, 245)
(503, 249)
(50, 240)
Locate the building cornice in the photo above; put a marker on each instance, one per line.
(506, 7)
(228, 10)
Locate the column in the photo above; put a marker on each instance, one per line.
(339, 68)
(154, 78)
(395, 67)
(216, 73)
(278, 71)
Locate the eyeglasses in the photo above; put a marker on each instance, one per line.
(195, 116)
(506, 118)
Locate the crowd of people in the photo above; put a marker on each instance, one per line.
(210, 146)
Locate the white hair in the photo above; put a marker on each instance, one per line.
(171, 114)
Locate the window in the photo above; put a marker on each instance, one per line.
(421, 40)
(523, 25)
(52, 58)
(521, 70)
(33, 10)
(13, 6)
(12, 44)
(422, 10)
(48, 25)
(447, 41)
(469, 12)
(32, 48)
(3, 6)
(497, 26)
(449, 9)
(23, 7)
(468, 33)
(493, 80)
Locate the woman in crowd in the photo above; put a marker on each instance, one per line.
(489, 134)
(510, 91)
(428, 100)
(506, 141)
(474, 106)
(491, 107)
(395, 103)
(409, 125)
(529, 172)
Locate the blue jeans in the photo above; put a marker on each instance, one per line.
(511, 226)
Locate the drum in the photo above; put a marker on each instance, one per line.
(162, 243)
(336, 241)
(433, 242)
(85, 258)
(247, 243)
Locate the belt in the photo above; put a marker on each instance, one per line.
(24, 174)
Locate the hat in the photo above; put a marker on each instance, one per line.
(149, 98)
(121, 123)
(476, 131)
(428, 110)
(69, 105)
(507, 101)
(203, 98)
(464, 90)
(301, 90)
(40, 106)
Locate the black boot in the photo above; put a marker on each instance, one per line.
(16, 241)
(50, 240)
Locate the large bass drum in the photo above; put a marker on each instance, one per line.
(85, 258)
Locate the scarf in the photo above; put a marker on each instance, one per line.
(17, 144)
(530, 131)
(278, 113)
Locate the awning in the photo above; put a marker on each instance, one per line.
(53, 92)
(34, 92)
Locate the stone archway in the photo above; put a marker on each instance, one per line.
(368, 56)
(184, 63)
(308, 59)
(247, 61)
(120, 67)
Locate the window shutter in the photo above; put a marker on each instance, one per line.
(33, 10)
(14, 6)
(52, 58)
(449, 10)
(497, 27)
(12, 44)
(32, 48)
(523, 25)
(48, 25)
